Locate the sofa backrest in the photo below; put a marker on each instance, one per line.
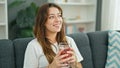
(82, 42)
(98, 42)
(93, 47)
(19, 47)
(6, 54)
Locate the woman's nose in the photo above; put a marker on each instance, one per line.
(57, 18)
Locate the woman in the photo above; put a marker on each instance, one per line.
(43, 51)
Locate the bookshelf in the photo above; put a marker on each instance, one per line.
(3, 20)
(79, 15)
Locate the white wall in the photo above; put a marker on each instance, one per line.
(110, 15)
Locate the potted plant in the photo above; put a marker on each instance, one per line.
(24, 22)
(26, 19)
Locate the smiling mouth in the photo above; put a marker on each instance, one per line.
(57, 26)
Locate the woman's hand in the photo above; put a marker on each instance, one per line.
(60, 60)
(72, 57)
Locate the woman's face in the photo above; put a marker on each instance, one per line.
(54, 20)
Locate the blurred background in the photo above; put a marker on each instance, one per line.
(17, 17)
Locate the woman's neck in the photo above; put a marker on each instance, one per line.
(52, 38)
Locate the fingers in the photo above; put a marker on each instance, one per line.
(59, 53)
(63, 60)
(63, 64)
(60, 61)
(60, 57)
(72, 60)
(72, 57)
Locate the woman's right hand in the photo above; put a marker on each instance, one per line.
(58, 61)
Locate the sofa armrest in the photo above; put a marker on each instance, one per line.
(82, 42)
(98, 42)
(20, 45)
(6, 54)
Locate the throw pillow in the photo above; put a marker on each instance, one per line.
(113, 54)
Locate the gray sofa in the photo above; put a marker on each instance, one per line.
(93, 47)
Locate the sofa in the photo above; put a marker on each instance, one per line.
(92, 45)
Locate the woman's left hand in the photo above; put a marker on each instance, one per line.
(72, 57)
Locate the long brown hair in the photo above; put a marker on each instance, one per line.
(40, 34)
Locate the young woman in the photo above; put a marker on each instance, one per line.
(49, 31)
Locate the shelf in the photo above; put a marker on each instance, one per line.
(2, 2)
(3, 20)
(2, 24)
(3, 34)
(70, 22)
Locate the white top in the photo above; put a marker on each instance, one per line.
(35, 58)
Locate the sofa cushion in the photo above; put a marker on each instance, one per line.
(6, 54)
(82, 43)
(113, 56)
(20, 46)
(98, 42)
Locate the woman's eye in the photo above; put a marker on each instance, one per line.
(59, 15)
(51, 17)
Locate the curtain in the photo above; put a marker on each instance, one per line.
(110, 15)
